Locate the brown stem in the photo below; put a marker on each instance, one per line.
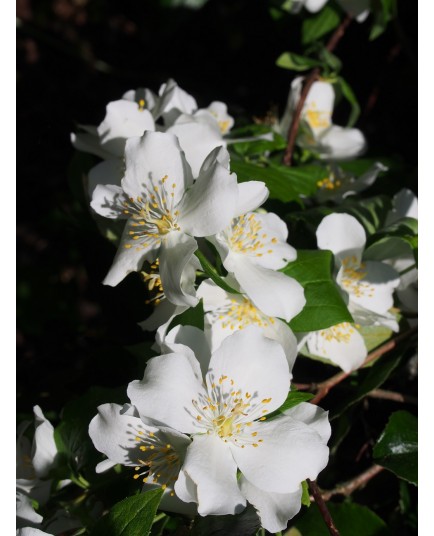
(392, 395)
(348, 487)
(324, 387)
(309, 80)
(316, 492)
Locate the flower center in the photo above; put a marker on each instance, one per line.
(329, 183)
(317, 118)
(241, 313)
(340, 333)
(152, 216)
(231, 414)
(245, 235)
(352, 278)
(157, 461)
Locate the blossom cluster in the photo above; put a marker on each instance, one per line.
(207, 422)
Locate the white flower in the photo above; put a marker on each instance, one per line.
(226, 313)
(30, 531)
(339, 184)
(124, 119)
(311, 5)
(317, 132)
(155, 452)
(253, 247)
(165, 208)
(225, 412)
(35, 461)
(341, 344)
(368, 285)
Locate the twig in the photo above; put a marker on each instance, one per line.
(348, 487)
(392, 395)
(316, 492)
(324, 387)
(309, 80)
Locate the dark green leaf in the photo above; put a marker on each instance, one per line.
(194, 316)
(369, 380)
(349, 94)
(384, 12)
(350, 519)
(258, 147)
(274, 179)
(244, 524)
(211, 272)
(397, 240)
(293, 399)
(396, 449)
(295, 62)
(131, 517)
(324, 304)
(319, 24)
(330, 59)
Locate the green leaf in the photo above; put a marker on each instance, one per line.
(384, 12)
(305, 495)
(258, 147)
(285, 183)
(395, 241)
(330, 59)
(350, 96)
(194, 316)
(324, 304)
(244, 524)
(371, 212)
(295, 62)
(350, 519)
(293, 399)
(211, 272)
(320, 24)
(131, 517)
(368, 380)
(274, 179)
(396, 449)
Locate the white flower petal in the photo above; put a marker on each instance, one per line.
(130, 255)
(342, 344)
(374, 291)
(107, 200)
(219, 110)
(176, 252)
(342, 234)
(192, 337)
(123, 120)
(174, 101)
(274, 509)
(256, 364)
(89, 143)
(44, 447)
(339, 143)
(272, 292)
(162, 316)
(251, 195)
(290, 452)
(314, 5)
(149, 160)
(282, 333)
(30, 531)
(185, 488)
(167, 389)
(26, 514)
(209, 464)
(109, 172)
(314, 417)
(209, 204)
(197, 140)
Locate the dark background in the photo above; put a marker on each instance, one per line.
(74, 56)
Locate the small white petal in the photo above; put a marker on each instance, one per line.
(251, 195)
(44, 446)
(209, 464)
(109, 172)
(274, 509)
(342, 234)
(339, 143)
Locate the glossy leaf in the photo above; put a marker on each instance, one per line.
(293, 399)
(350, 519)
(324, 304)
(320, 24)
(350, 96)
(131, 517)
(396, 448)
(295, 62)
(397, 240)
